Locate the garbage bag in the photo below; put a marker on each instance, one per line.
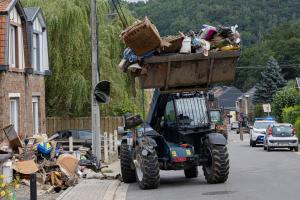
(225, 32)
(45, 148)
(130, 55)
(90, 161)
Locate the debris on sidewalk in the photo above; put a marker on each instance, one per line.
(55, 168)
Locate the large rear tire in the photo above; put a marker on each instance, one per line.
(148, 172)
(217, 168)
(191, 173)
(225, 134)
(127, 167)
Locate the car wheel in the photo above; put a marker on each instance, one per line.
(296, 149)
(268, 149)
(253, 144)
(265, 148)
(250, 142)
(127, 166)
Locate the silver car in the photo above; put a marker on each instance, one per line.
(281, 136)
(235, 125)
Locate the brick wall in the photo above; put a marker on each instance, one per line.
(2, 39)
(14, 82)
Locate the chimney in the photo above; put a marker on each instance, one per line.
(114, 10)
(224, 88)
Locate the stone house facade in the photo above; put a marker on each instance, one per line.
(22, 84)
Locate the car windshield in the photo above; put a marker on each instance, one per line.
(86, 135)
(192, 111)
(278, 130)
(262, 125)
(215, 115)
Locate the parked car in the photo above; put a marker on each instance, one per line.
(235, 125)
(256, 135)
(83, 134)
(281, 136)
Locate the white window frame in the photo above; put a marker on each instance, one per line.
(35, 115)
(34, 51)
(14, 115)
(13, 45)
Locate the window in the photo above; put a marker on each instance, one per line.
(169, 116)
(85, 135)
(35, 115)
(13, 43)
(14, 113)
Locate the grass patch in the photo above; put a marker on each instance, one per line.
(108, 171)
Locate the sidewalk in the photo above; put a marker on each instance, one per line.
(98, 189)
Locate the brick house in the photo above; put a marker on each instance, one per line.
(243, 103)
(22, 82)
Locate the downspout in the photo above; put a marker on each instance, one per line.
(26, 134)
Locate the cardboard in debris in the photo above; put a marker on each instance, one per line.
(68, 162)
(25, 167)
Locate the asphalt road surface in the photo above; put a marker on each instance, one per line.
(254, 174)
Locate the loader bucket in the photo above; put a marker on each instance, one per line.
(191, 69)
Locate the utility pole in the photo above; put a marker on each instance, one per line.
(96, 140)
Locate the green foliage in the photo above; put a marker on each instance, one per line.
(259, 111)
(283, 45)
(68, 90)
(297, 127)
(255, 18)
(271, 82)
(290, 114)
(284, 98)
(291, 83)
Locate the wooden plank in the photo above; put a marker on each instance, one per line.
(106, 124)
(72, 124)
(71, 143)
(76, 123)
(116, 142)
(102, 125)
(111, 150)
(80, 123)
(74, 140)
(59, 124)
(105, 148)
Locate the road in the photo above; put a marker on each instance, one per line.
(254, 174)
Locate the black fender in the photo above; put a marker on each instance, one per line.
(216, 138)
(139, 141)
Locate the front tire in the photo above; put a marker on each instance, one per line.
(191, 173)
(217, 168)
(127, 167)
(296, 149)
(250, 142)
(268, 149)
(265, 148)
(148, 173)
(253, 144)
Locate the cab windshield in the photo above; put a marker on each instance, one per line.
(192, 110)
(215, 116)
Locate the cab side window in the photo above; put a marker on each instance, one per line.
(169, 114)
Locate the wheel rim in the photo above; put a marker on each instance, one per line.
(208, 166)
(139, 170)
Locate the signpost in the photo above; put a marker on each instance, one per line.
(267, 108)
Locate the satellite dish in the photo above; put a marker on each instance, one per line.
(102, 92)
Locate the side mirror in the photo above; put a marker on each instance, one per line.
(211, 97)
(263, 132)
(102, 92)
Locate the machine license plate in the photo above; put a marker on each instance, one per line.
(283, 144)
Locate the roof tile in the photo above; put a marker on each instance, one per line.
(4, 4)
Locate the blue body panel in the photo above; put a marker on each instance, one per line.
(174, 150)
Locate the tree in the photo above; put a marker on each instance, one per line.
(272, 81)
(68, 90)
(284, 98)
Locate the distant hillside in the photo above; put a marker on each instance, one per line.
(255, 18)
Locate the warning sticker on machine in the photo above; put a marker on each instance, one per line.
(174, 153)
(188, 152)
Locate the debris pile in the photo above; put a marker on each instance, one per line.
(143, 41)
(55, 168)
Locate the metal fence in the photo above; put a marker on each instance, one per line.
(107, 124)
